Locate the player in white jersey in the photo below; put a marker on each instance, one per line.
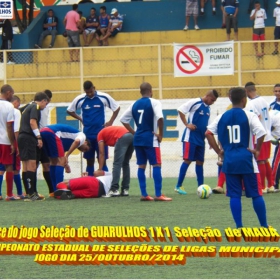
(260, 107)
(276, 15)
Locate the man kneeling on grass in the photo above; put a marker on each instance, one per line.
(85, 187)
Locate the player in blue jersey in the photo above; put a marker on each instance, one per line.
(275, 105)
(148, 117)
(235, 129)
(198, 111)
(58, 139)
(93, 105)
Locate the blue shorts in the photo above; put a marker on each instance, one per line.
(2, 167)
(143, 154)
(252, 184)
(193, 152)
(94, 148)
(52, 144)
(277, 33)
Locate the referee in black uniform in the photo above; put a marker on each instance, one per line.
(29, 140)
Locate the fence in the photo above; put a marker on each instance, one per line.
(119, 71)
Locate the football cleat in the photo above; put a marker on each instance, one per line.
(218, 190)
(180, 190)
(146, 198)
(163, 198)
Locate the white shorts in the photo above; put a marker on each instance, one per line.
(90, 31)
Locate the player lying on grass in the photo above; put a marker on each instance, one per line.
(85, 187)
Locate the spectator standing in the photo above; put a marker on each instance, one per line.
(72, 22)
(251, 5)
(259, 16)
(230, 11)
(103, 26)
(7, 38)
(115, 25)
(276, 15)
(50, 28)
(191, 10)
(92, 23)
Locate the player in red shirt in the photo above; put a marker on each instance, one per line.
(122, 140)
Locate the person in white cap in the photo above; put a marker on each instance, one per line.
(276, 15)
(115, 24)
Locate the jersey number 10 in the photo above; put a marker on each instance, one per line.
(234, 133)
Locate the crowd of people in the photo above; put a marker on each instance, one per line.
(245, 132)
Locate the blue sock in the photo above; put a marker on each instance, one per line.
(236, 210)
(105, 168)
(199, 174)
(17, 181)
(59, 175)
(90, 170)
(183, 170)
(52, 171)
(157, 180)
(1, 180)
(142, 181)
(260, 209)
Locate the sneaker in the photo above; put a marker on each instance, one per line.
(201, 13)
(22, 196)
(218, 190)
(50, 46)
(114, 193)
(196, 27)
(34, 197)
(10, 198)
(37, 46)
(146, 198)
(124, 192)
(275, 52)
(162, 198)
(180, 190)
(186, 28)
(51, 194)
(40, 195)
(264, 190)
(270, 189)
(213, 12)
(64, 194)
(11, 62)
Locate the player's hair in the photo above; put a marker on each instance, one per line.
(48, 93)
(15, 98)
(40, 96)
(75, 7)
(250, 86)
(237, 94)
(103, 8)
(145, 88)
(257, 2)
(215, 93)
(277, 85)
(88, 85)
(50, 10)
(6, 88)
(93, 8)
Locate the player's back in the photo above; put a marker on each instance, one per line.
(145, 112)
(235, 136)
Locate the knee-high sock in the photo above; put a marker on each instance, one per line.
(59, 175)
(260, 209)
(221, 179)
(236, 210)
(262, 170)
(31, 178)
(90, 170)
(199, 174)
(23, 176)
(1, 181)
(9, 182)
(142, 181)
(17, 181)
(183, 170)
(157, 180)
(47, 177)
(52, 173)
(269, 174)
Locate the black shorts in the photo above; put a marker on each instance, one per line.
(27, 146)
(43, 156)
(277, 33)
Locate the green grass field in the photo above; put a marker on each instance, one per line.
(183, 211)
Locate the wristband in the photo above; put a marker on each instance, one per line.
(36, 132)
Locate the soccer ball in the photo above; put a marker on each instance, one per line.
(204, 191)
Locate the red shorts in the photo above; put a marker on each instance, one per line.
(265, 151)
(5, 155)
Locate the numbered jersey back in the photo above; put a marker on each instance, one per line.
(146, 112)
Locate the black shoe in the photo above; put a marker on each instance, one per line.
(124, 192)
(201, 13)
(275, 52)
(213, 12)
(63, 194)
